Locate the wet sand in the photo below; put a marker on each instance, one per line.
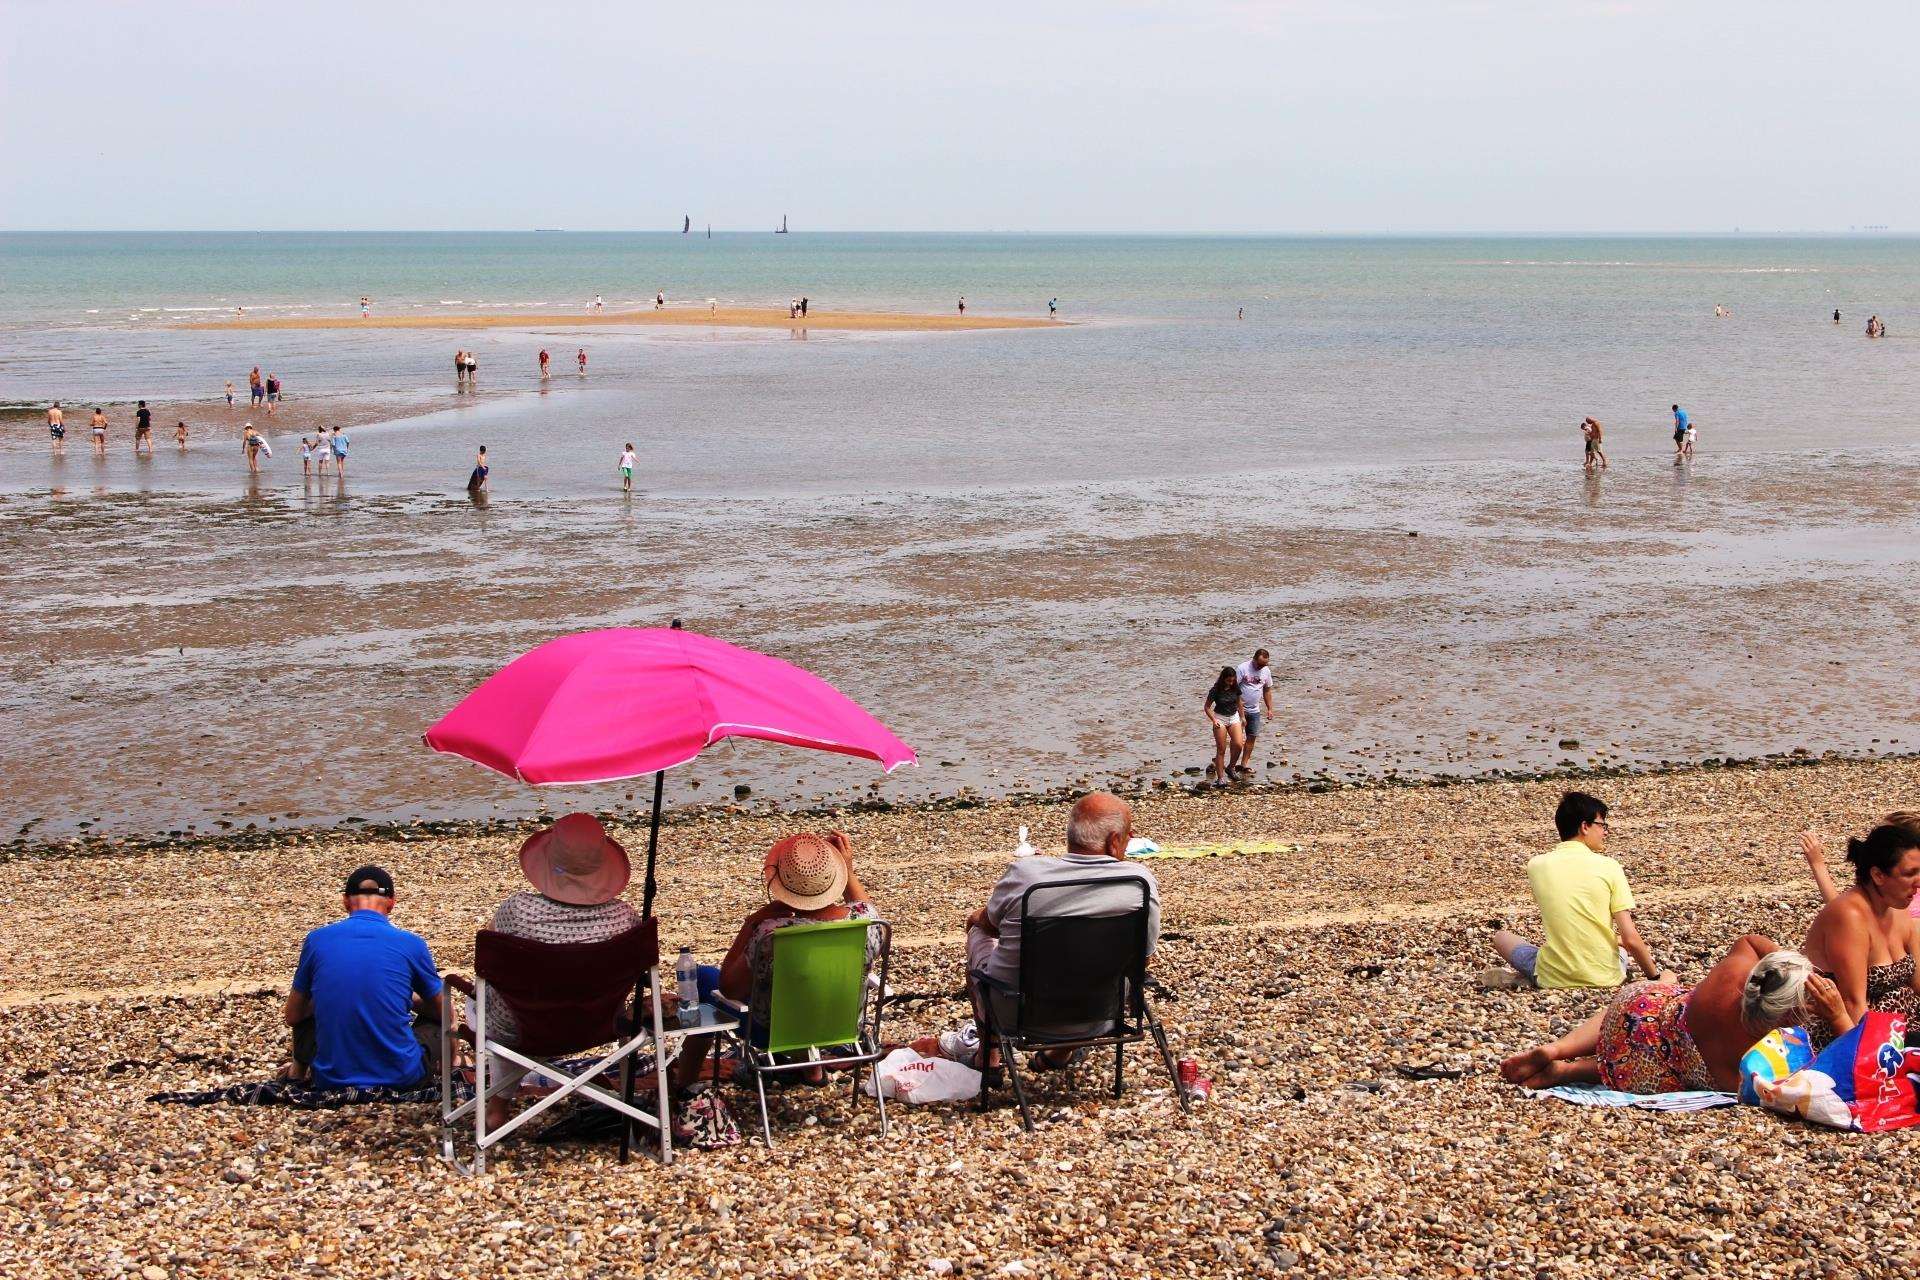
(1300, 981)
(678, 314)
(269, 656)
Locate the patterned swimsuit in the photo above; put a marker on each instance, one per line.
(1645, 1046)
(1889, 988)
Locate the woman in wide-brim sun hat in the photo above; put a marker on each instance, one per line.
(809, 878)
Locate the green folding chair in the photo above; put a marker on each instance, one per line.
(819, 997)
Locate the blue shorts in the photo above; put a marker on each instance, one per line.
(1255, 718)
(1526, 958)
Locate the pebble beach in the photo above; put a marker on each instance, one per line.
(1303, 981)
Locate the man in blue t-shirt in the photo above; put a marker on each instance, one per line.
(365, 1005)
(1681, 424)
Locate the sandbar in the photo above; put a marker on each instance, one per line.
(690, 316)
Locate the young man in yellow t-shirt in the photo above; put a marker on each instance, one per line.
(1586, 909)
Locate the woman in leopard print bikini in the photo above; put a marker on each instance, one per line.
(1865, 936)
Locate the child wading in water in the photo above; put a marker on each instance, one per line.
(626, 469)
(180, 434)
(477, 482)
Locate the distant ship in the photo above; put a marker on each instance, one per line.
(686, 223)
(783, 225)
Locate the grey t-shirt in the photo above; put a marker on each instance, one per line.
(1003, 906)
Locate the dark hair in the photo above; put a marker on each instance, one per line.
(1261, 653)
(1881, 851)
(1227, 676)
(1576, 810)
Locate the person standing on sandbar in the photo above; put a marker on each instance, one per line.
(57, 428)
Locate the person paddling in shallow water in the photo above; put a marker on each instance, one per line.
(1660, 1037)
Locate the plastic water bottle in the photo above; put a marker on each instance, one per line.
(687, 979)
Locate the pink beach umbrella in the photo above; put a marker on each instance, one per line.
(607, 705)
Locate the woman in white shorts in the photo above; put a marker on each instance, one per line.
(1229, 729)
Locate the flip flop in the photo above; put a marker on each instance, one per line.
(1432, 1071)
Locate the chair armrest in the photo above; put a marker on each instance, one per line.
(458, 983)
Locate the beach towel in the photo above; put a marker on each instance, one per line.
(1868, 1080)
(303, 1097)
(287, 1093)
(1143, 848)
(1592, 1095)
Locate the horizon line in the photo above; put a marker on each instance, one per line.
(1337, 233)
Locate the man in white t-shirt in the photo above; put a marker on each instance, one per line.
(1256, 703)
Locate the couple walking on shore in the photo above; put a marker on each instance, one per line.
(1238, 707)
(466, 369)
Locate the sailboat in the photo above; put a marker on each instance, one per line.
(686, 223)
(709, 231)
(783, 225)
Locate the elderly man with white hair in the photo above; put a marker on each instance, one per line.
(1098, 832)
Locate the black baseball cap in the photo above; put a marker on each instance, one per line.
(369, 880)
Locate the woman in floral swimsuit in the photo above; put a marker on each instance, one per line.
(1660, 1037)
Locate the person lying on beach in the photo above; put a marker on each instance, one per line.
(1098, 832)
(807, 878)
(366, 1002)
(578, 873)
(1660, 1037)
(1865, 936)
(1585, 906)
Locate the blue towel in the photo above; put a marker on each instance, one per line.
(1592, 1095)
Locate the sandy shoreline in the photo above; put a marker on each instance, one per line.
(1300, 980)
(695, 317)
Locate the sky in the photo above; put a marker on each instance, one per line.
(1184, 116)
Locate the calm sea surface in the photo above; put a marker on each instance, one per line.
(1026, 549)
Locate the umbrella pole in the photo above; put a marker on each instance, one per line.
(653, 843)
(640, 987)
